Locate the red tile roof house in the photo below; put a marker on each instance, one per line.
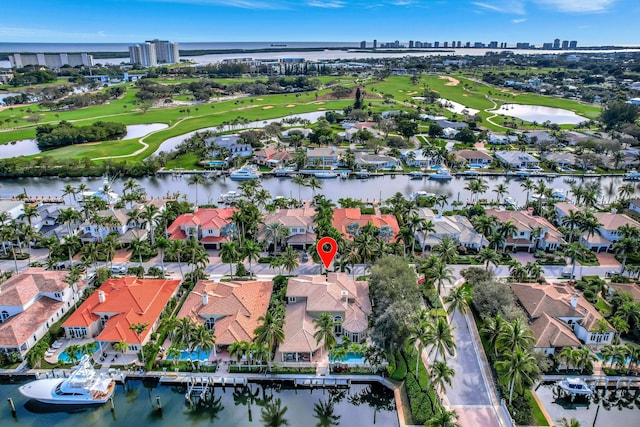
(272, 156)
(206, 225)
(30, 303)
(560, 317)
(108, 313)
(299, 222)
(344, 217)
(231, 309)
(549, 239)
(310, 296)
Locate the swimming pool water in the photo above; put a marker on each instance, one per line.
(352, 358)
(185, 355)
(64, 356)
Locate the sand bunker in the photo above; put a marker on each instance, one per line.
(88, 143)
(413, 92)
(400, 90)
(321, 109)
(291, 105)
(451, 82)
(267, 107)
(259, 99)
(319, 102)
(465, 94)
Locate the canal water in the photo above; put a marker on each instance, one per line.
(372, 189)
(135, 404)
(605, 409)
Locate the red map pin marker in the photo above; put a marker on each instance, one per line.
(327, 256)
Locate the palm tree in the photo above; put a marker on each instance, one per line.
(439, 274)
(289, 259)
(443, 418)
(528, 185)
(270, 332)
(202, 339)
(300, 181)
(500, 190)
(251, 251)
(447, 249)
(73, 351)
(229, 254)
(196, 179)
(441, 374)
(571, 220)
(458, 299)
(573, 251)
(276, 233)
(138, 329)
(121, 347)
(176, 249)
(518, 369)
(315, 184)
(419, 335)
(324, 412)
(625, 246)
(514, 335)
(488, 256)
(564, 422)
(492, 329)
(325, 330)
(441, 338)
(272, 415)
(174, 354)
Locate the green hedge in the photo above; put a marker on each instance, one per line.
(400, 372)
(421, 403)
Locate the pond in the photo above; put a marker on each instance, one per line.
(540, 114)
(361, 405)
(6, 95)
(29, 147)
(606, 408)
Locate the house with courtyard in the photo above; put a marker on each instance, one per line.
(346, 300)
(457, 227)
(30, 303)
(532, 232)
(230, 309)
(348, 221)
(108, 314)
(561, 317)
(517, 159)
(211, 227)
(298, 221)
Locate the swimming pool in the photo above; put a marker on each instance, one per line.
(185, 355)
(436, 167)
(64, 356)
(351, 359)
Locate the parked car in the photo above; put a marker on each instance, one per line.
(304, 257)
(612, 273)
(118, 269)
(566, 273)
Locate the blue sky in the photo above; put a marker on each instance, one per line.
(114, 21)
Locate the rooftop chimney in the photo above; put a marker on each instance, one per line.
(205, 299)
(345, 295)
(101, 297)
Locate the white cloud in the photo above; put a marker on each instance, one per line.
(326, 4)
(506, 6)
(519, 21)
(242, 4)
(578, 5)
(45, 34)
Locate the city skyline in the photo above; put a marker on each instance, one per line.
(592, 22)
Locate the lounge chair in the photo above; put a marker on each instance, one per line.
(56, 345)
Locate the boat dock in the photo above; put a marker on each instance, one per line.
(600, 381)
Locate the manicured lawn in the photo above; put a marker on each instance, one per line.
(536, 413)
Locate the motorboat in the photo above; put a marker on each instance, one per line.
(416, 175)
(470, 174)
(441, 174)
(559, 194)
(229, 197)
(344, 175)
(284, 172)
(325, 175)
(522, 173)
(423, 194)
(362, 174)
(509, 201)
(84, 386)
(575, 386)
(244, 174)
(633, 175)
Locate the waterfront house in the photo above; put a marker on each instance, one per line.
(310, 296)
(323, 156)
(634, 205)
(113, 220)
(416, 158)
(108, 314)
(500, 138)
(532, 232)
(208, 226)
(564, 160)
(561, 317)
(233, 143)
(472, 158)
(30, 303)
(299, 222)
(517, 159)
(376, 161)
(272, 156)
(231, 309)
(47, 221)
(457, 227)
(13, 208)
(348, 221)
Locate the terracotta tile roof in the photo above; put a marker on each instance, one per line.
(298, 331)
(611, 221)
(24, 287)
(629, 288)
(342, 217)
(203, 218)
(236, 306)
(550, 332)
(327, 295)
(556, 301)
(19, 328)
(128, 300)
(565, 207)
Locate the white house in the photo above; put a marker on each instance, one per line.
(14, 208)
(532, 232)
(517, 159)
(415, 158)
(376, 161)
(457, 227)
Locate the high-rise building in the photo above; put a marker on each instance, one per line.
(565, 44)
(363, 44)
(573, 44)
(154, 52)
(493, 45)
(556, 44)
(436, 44)
(547, 46)
(445, 44)
(375, 44)
(459, 44)
(410, 44)
(51, 60)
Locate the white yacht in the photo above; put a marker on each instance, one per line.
(633, 175)
(285, 172)
(84, 387)
(229, 197)
(421, 193)
(245, 173)
(325, 175)
(575, 386)
(441, 174)
(509, 201)
(416, 175)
